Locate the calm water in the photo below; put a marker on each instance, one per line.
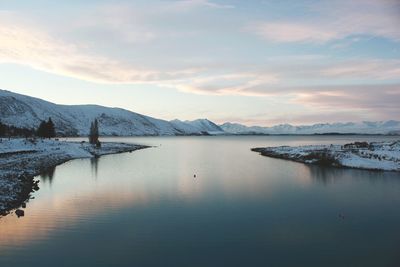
(146, 209)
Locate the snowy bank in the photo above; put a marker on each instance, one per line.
(361, 155)
(21, 160)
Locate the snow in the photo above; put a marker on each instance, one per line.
(21, 159)
(25, 111)
(200, 126)
(206, 125)
(372, 156)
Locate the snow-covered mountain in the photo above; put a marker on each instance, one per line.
(201, 125)
(365, 127)
(25, 111)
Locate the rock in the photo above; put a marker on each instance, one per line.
(35, 185)
(20, 213)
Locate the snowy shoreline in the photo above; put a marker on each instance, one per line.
(21, 160)
(382, 156)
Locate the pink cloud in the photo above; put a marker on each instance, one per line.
(293, 32)
(335, 20)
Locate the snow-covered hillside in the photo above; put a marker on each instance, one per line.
(25, 111)
(365, 127)
(360, 155)
(200, 125)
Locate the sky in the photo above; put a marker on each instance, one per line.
(251, 62)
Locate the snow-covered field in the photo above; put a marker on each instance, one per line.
(21, 160)
(361, 155)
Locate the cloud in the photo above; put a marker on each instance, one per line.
(293, 32)
(334, 21)
(126, 23)
(372, 69)
(371, 98)
(300, 118)
(191, 4)
(30, 46)
(307, 105)
(228, 84)
(284, 80)
(302, 82)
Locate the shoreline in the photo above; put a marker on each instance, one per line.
(375, 156)
(21, 160)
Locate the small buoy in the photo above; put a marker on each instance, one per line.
(194, 176)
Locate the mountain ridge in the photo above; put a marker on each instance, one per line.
(364, 127)
(26, 111)
(74, 120)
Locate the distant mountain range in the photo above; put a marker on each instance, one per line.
(71, 120)
(365, 127)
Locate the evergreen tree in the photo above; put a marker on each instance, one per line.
(7, 130)
(42, 130)
(46, 129)
(2, 129)
(94, 133)
(51, 131)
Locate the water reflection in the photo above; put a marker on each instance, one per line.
(47, 175)
(94, 163)
(241, 207)
(329, 175)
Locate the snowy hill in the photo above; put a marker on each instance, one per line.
(361, 155)
(202, 126)
(25, 111)
(365, 127)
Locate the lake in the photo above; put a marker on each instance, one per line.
(146, 208)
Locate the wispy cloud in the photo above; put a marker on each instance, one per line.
(364, 69)
(27, 45)
(190, 4)
(31, 46)
(367, 98)
(131, 44)
(228, 84)
(329, 104)
(284, 80)
(293, 32)
(335, 20)
(300, 118)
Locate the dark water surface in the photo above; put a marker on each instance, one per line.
(146, 209)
